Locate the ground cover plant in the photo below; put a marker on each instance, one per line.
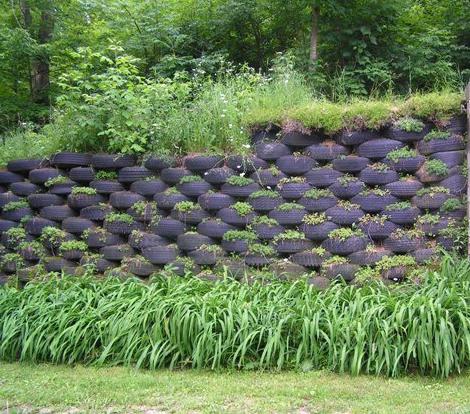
(422, 326)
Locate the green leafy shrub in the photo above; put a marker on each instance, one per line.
(119, 217)
(186, 206)
(261, 250)
(71, 245)
(432, 191)
(400, 205)
(106, 175)
(242, 208)
(409, 124)
(289, 235)
(264, 193)
(83, 191)
(344, 233)
(436, 134)
(239, 181)
(316, 193)
(314, 218)
(401, 153)
(60, 179)
(436, 167)
(190, 179)
(289, 207)
(265, 220)
(452, 204)
(15, 205)
(233, 235)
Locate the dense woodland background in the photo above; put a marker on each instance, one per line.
(129, 71)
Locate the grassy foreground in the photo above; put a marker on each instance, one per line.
(28, 388)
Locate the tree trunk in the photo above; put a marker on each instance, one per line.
(314, 36)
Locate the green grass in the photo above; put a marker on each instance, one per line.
(185, 322)
(30, 388)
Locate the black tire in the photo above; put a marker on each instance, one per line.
(292, 246)
(98, 237)
(82, 175)
(8, 177)
(322, 177)
(161, 255)
(158, 163)
(456, 183)
(264, 203)
(271, 151)
(117, 253)
(326, 151)
(298, 140)
(378, 148)
(77, 225)
(404, 216)
(214, 228)
(79, 201)
(453, 143)
(347, 191)
(450, 158)
(246, 164)
(230, 216)
(253, 260)
(112, 161)
(201, 163)
(204, 258)
(267, 177)
(343, 217)
(70, 159)
(345, 247)
(191, 217)
(319, 204)
(215, 201)
(6, 225)
(26, 165)
(123, 200)
(8, 197)
(235, 246)
(96, 212)
(41, 175)
(106, 186)
(404, 136)
(404, 188)
(368, 258)
(128, 175)
(239, 191)
(140, 240)
(24, 189)
(56, 213)
(372, 203)
(370, 176)
(168, 201)
(192, 241)
(295, 165)
(350, 164)
(406, 165)
(218, 176)
(58, 264)
(38, 201)
(288, 218)
(122, 228)
(17, 214)
(358, 137)
(318, 232)
(378, 231)
(293, 191)
(169, 228)
(345, 271)
(194, 189)
(267, 232)
(148, 188)
(63, 189)
(173, 175)
(309, 259)
(35, 225)
(402, 245)
(428, 202)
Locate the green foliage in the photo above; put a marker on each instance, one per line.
(71, 245)
(436, 167)
(347, 179)
(242, 208)
(401, 153)
(436, 134)
(186, 206)
(316, 193)
(289, 207)
(16, 235)
(233, 235)
(52, 234)
(289, 235)
(83, 191)
(314, 218)
(432, 191)
(409, 125)
(373, 218)
(239, 181)
(379, 192)
(291, 180)
(389, 262)
(334, 260)
(190, 179)
(60, 179)
(119, 217)
(265, 220)
(429, 218)
(264, 193)
(344, 233)
(411, 234)
(348, 205)
(400, 205)
(105, 175)
(15, 205)
(261, 250)
(452, 204)
(12, 258)
(211, 248)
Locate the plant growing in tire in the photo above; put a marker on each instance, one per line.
(453, 237)
(346, 186)
(11, 262)
(120, 223)
(189, 212)
(369, 256)
(312, 258)
(376, 227)
(14, 236)
(406, 160)
(288, 214)
(295, 164)
(214, 227)
(322, 176)
(440, 141)
(265, 200)
(60, 185)
(169, 198)
(237, 241)
(138, 266)
(239, 186)
(291, 241)
(406, 187)
(207, 254)
(82, 197)
(293, 188)
(32, 251)
(378, 174)
(318, 199)
(259, 255)
(193, 186)
(16, 210)
(404, 240)
(374, 200)
(407, 129)
(145, 212)
(161, 255)
(99, 237)
(316, 226)
(52, 238)
(182, 266)
(431, 198)
(191, 240)
(239, 214)
(345, 213)
(268, 177)
(339, 267)
(266, 228)
(453, 208)
(432, 171)
(73, 249)
(344, 241)
(396, 268)
(432, 224)
(402, 212)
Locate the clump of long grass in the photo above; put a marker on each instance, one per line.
(178, 322)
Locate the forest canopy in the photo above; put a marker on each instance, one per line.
(112, 68)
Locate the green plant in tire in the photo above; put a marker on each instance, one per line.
(211, 248)
(291, 180)
(409, 124)
(242, 208)
(432, 191)
(15, 205)
(380, 167)
(289, 207)
(16, 235)
(119, 217)
(411, 234)
(452, 204)
(436, 167)
(83, 191)
(264, 193)
(190, 179)
(234, 235)
(401, 153)
(335, 260)
(265, 220)
(239, 181)
(186, 206)
(12, 258)
(348, 205)
(400, 205)
(259, 249)
(390, 262)
(60, 179)
(106, 175)
(344, 233)
(314, 219)
(347, 179)
(289, 235)
(438, 135)
(35, 246)
(373, 219)
(429, 218)
(379, 192)
(317, 193)
(52, 235)
(71, 245)
(367, 274)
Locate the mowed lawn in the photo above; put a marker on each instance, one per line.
(44, 389)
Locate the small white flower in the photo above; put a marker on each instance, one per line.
(268, 187)
(239, 166)
(242, 174)
(246, 145)
(286, 260)
(206, 173)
